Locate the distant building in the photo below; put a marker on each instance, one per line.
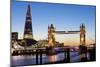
(14, 36)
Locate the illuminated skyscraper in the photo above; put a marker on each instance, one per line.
(28, 25)
(28, 34)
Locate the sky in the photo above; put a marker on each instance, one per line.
(64, 17)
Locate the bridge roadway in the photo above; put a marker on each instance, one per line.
(45, 50)
(39, 50)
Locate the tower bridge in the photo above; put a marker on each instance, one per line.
(28, 37)
(52, 31)
(68, 32)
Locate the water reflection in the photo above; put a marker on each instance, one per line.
(52, 58)
(21, 60)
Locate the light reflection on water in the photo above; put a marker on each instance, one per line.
(52, 58)
(31, 60)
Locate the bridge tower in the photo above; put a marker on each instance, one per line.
(82, 34)
(51, 34)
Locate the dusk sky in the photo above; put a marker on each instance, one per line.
(65, 17)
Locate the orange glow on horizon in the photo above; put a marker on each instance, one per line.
(70, 40)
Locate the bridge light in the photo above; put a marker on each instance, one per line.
(82, 38)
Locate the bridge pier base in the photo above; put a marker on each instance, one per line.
(67, 55)
(83, 53)
(37, 56)
(92, 54)
(40, 56)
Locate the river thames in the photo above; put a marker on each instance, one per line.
(21, 60)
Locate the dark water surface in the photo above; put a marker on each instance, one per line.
(31, 59)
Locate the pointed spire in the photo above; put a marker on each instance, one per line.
(28, 10)
(83, 25)
(28, 25)
(52, 26)
(29, 7)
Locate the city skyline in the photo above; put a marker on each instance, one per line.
(65, 17)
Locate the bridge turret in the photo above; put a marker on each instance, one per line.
(82, 34)
(51, 33)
